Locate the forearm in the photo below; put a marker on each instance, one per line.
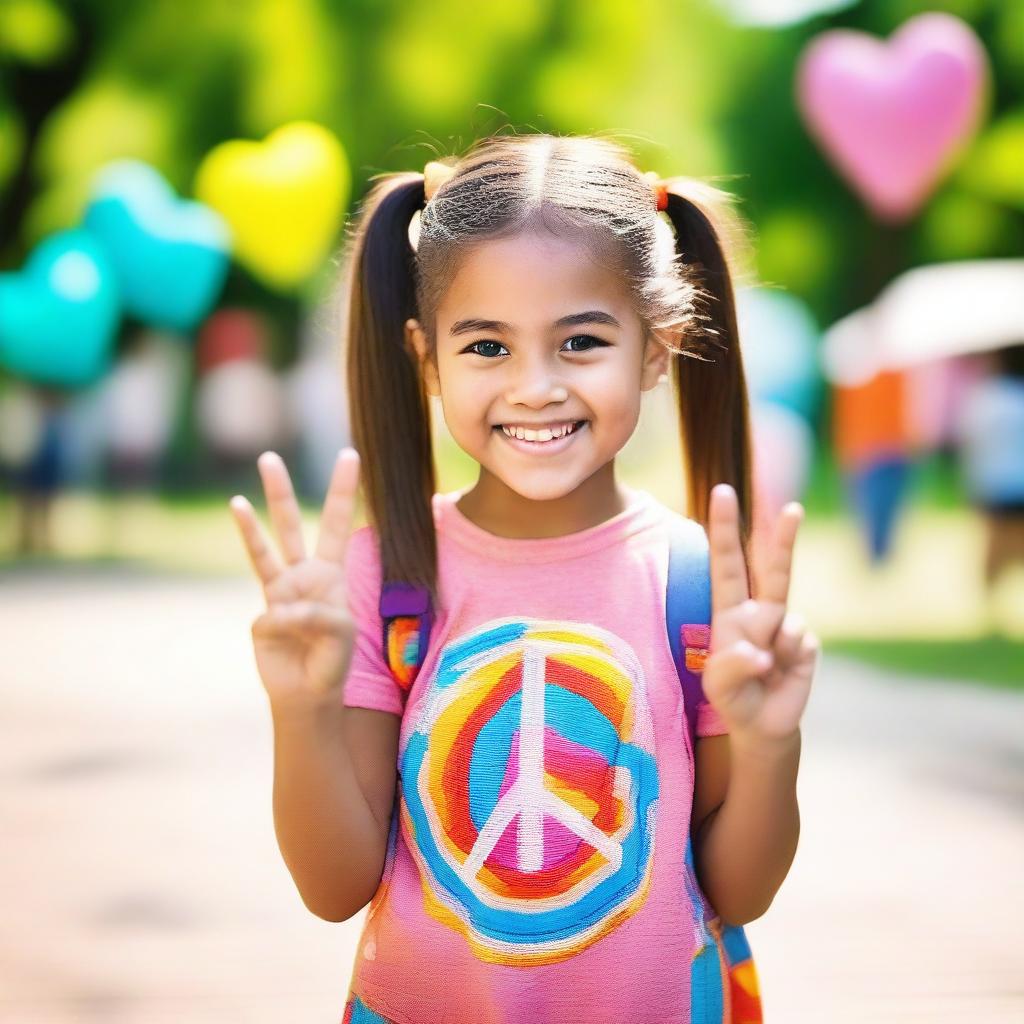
(745, 851)
(328, 835)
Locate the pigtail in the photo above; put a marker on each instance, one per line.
(388, 405)
(711, 389)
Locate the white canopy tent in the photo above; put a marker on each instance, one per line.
(929, 313)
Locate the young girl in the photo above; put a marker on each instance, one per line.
(519, 817)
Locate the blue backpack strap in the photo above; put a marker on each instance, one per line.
(406, 619)
(688, 612)
(688, 618)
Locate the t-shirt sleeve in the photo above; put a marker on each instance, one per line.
(369, 683)
(709, 721)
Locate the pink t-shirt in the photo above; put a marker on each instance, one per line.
(536, 869)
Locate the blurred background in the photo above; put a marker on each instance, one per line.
(175, 181)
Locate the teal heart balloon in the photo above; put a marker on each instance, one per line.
(170, 255)
(59, 315)
(779, 341)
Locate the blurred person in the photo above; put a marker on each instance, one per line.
(241, 409)
(315, 390)
(478, 729)
(140, 400)
(991, 435)
(143, 395)
(38, 480)
(315, 399)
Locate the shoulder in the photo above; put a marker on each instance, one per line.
(362, 556)
(364, 540)
(674, 523)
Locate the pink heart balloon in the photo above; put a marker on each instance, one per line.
(893, 115)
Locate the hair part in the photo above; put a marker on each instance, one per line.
(586, 188)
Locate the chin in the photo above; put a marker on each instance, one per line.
(538, 486)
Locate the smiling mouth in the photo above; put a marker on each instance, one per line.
(576, 425)
(553, 447)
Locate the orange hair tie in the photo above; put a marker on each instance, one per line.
(659, 188)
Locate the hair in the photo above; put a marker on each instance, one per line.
(584, 187)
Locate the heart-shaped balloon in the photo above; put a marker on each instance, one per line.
(283, 198)
(892, 116)
(779, 341)
(59, 315)
(171, 255)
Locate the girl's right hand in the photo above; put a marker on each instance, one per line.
(303, 641)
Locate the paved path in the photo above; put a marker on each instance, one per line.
(142, 883)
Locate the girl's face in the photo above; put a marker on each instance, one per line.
(533, 333)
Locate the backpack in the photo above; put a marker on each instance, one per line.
(724, 984)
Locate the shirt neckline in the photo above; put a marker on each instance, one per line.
(637, 515)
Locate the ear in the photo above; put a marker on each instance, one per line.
(656, 357)
(416, 342)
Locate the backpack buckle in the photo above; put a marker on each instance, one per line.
(403, 599)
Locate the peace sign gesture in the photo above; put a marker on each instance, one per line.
(303, 641)
(761, 663)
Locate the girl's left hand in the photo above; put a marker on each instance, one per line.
(761, 662)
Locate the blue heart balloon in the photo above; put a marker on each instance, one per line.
(171, 255)
(59, 315)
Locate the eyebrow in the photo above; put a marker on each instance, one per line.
(590, 316)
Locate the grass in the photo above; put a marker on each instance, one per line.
(993, 659)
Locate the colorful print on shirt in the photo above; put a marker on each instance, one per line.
(530, 788)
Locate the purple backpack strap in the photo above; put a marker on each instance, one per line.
(406, 619)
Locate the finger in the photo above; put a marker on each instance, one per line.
(282, 506)
(789, 638)
(265, 563)
(773, 580)
(810, 648)
(728, 567)
(303, 615)
(339, 506)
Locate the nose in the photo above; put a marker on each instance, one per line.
(535, 385)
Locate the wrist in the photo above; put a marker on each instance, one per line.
(764, 748)
(306, 710)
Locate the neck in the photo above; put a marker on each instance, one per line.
(493, 506)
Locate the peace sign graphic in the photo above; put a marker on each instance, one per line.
(530, 788)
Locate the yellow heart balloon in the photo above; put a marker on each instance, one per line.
(282, 197)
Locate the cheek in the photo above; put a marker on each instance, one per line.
(466, 403)
(615, 388)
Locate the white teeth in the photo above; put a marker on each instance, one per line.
(544, 434)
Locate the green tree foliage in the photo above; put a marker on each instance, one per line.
(86, 81)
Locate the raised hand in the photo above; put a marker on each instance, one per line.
(303, 641)
(759, 670)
